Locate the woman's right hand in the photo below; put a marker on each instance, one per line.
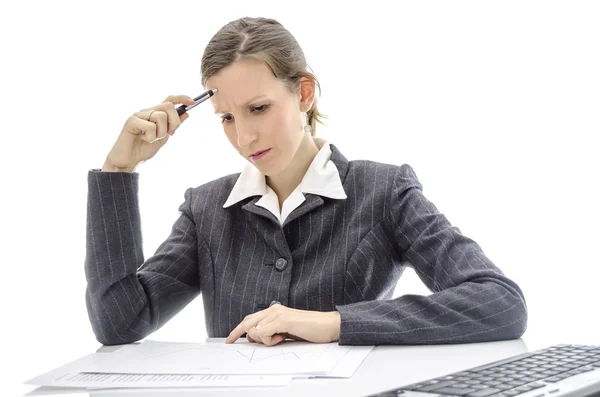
(144, 133)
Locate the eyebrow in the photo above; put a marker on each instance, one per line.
(245, 104)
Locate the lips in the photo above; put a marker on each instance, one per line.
(259, 152)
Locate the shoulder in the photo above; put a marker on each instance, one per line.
(213, 194)
(401, 176)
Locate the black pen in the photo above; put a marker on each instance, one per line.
(199, 99)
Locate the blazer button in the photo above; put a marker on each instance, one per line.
(275, 303)
(281, 264)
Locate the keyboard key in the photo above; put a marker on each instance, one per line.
(525, 388)
(553, 379)
(434, 386)
(461, 386)
(483, 392)
(454, 391)
(550, 373)
(516, 382)
(504, 386)
(582, 370)
(493, 383)
(479, 386)
(510, 393)
(538, 376)
(566, 367)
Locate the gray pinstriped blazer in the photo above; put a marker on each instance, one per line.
(344, 255)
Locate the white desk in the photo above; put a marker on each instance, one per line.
(385, 368)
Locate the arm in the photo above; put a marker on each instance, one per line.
(472, 301)
(128, 299)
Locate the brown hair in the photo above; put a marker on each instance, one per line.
(265, 40)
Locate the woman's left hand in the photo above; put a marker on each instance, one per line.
(273, 325)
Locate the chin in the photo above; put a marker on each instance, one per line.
(270, 169)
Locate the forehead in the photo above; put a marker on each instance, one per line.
(240, 82)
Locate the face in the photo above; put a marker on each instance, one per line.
(259, 112)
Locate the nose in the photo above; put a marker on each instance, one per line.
(245, 134)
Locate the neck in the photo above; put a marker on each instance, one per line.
(284, 183)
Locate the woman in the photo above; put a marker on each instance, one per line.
(302, 243)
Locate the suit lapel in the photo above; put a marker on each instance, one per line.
(252, 208)
(312, 201)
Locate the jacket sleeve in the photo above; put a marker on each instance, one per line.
(471, 300)
(127, 299)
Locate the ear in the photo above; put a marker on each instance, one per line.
(306, 93)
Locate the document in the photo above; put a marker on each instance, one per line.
(152, 364)
(75, 375)
(290, 357)
(91, 380)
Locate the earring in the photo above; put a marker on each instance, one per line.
(307, 127)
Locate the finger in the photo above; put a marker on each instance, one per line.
(270, 341)
(253, 334)
(268, 330)
(186, 100)
(150, 123)
(176, 99)
(160, 118)
(145, 129)
(243, 327)
(277, 338)
(249, 338)
(295, 337)
(183, 117)
(183, 99)
(265, 329)
(173, 118)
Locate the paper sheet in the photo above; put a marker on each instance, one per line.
(74, 375)
(293, 357)
(162, 365)
(100, 380)
(347, 366)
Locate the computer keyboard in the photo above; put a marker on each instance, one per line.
(560, 370)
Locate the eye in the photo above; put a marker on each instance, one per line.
(261, 108)
(255, 109)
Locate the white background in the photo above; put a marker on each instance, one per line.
(495, 105)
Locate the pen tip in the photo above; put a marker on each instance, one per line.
(214, 90)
